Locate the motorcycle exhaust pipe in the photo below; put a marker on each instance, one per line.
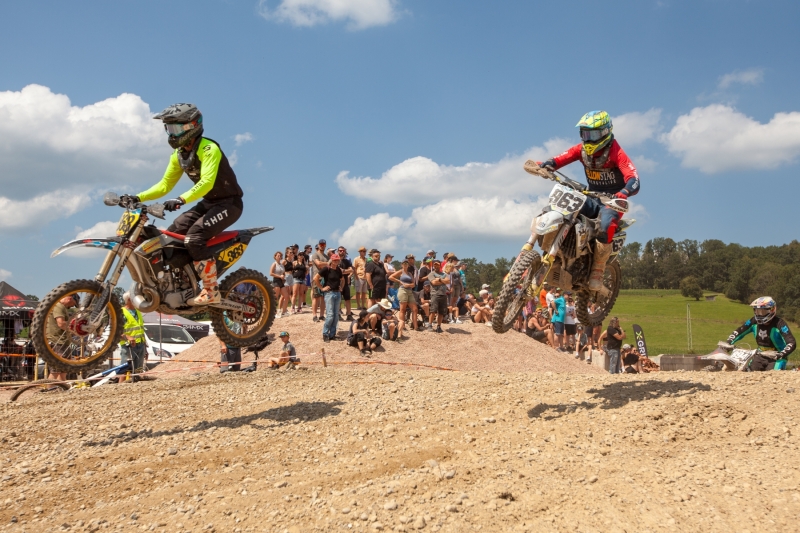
(146, 303)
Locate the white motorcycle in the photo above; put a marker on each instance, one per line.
(567, 263)
(731, 358)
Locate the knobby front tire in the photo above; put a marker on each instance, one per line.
(510, 302)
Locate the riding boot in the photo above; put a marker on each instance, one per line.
(602, 252)
(207, 269)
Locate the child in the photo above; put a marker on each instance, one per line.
(288, 355)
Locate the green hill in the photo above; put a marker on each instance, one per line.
(662, 316)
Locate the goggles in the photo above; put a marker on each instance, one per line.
(763, 311)
(176, 130)
(593, 135)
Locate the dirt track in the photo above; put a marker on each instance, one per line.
(321, 449)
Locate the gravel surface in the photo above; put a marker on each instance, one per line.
(466, 346)
(380, 449)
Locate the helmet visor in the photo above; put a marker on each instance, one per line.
(593, 135)
(177, 130)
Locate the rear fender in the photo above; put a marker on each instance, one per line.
(109, 244)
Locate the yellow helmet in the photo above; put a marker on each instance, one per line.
(596, 131)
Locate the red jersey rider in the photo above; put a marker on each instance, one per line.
(608, 169)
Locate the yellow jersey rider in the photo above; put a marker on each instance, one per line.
(214, 181)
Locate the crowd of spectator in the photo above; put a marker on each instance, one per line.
(422, 296)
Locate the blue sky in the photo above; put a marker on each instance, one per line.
(401, 124)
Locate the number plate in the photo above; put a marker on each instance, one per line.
(128, 221)
(565, 200)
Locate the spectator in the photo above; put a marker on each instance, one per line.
(347, 270)
(376, 277)
(376, 314)
(570, 322)
(462, 273)
(486, 287)
(405, 293)
(329, 280)
(631, 363)
(559, 311)
(360, 266)
(451, 270)
(307, 252)
(595, 331)
(57, 330)
(133, 344)
(439, 283)
(288, 354)
(387, 262)
(481, 312)
(423, 299)
(391, 326)
(430, 255)
(583, 344)
(538, 327)
(288, 281)
(318, 261)
(543, 297)
(299, 271)
(278, 274)
(360, 335)
(424, 271)
(613, 337)
(230, 354)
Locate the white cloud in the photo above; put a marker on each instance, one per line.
(752, 76)
(241, 138)
(40, 210)
(233, 158)
(644, 163)
(358, 14)
(4, 274)
(719, 138)
(632, 129)
(420, 180)
(48, 142)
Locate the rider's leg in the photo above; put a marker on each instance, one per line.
(219, 216)
(609, 220)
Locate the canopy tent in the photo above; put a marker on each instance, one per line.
(15, 305)
(195, 329)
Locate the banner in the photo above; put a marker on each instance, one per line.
(639, 336)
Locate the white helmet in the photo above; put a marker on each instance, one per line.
(764, 309)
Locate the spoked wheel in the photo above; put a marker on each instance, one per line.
(241, 329)
(612, 280)
(39, 389)
(76, 337)
(514, 294)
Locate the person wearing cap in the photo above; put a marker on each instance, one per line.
(423, 299)
(481, 310)
(486, 287)
(559, 311)
(288, 354)
(439, 284)
(347, 269)
(377, 313)
(405, 294)
(631, 363)
(424, 270)
(319, 260)
(376, 277)
(57, 329)
(431, 255)
(570, 322)
(360, 335)
(360, 267)
(387, 262)
(451, 269)
(538, 327)
(132, 345)
(613, 336)
(329, 281)
(583, 344)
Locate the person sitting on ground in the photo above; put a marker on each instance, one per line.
(288, 354)
(630, 360)
(583, 344)
(391, 326)
(376, 314)
(538, 327)
(360, 335)
(481, 311)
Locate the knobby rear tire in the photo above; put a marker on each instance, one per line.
(29, 389)
(57, 363)
(509, 303)
(612, 279)
(250, 337)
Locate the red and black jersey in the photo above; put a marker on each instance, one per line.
(610, 170)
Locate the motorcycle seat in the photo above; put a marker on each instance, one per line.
(222, 237)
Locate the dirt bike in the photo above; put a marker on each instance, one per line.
(567, 262)
(731, 358)
(164, 279)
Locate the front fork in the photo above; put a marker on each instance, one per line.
(547, 259)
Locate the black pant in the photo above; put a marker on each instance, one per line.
(205, 221)
(761, 363)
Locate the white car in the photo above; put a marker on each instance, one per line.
(163, 343)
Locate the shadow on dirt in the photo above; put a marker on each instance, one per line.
(458, 331)
(279, 416)
(620, 394)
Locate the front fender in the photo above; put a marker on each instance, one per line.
(547, 222)
(109, 244)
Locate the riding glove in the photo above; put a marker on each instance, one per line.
(173, 205)
(622, 194)
(549, 164)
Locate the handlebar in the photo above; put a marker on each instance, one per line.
(531, 167)
(112, 199)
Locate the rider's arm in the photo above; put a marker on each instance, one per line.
(788, 338)
(619, 158)
(741, 332)
(570, 156)
(167, 183)
(210, 155)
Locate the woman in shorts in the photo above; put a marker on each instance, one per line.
(278, 273)
(299, 271)
(288, 281)
(405, 293)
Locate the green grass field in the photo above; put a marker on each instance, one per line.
(662, 316)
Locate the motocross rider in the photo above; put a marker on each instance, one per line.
(771, 333)
(207, 166)
(609, 170)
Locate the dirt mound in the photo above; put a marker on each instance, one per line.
(374, 449)
(466, 346)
